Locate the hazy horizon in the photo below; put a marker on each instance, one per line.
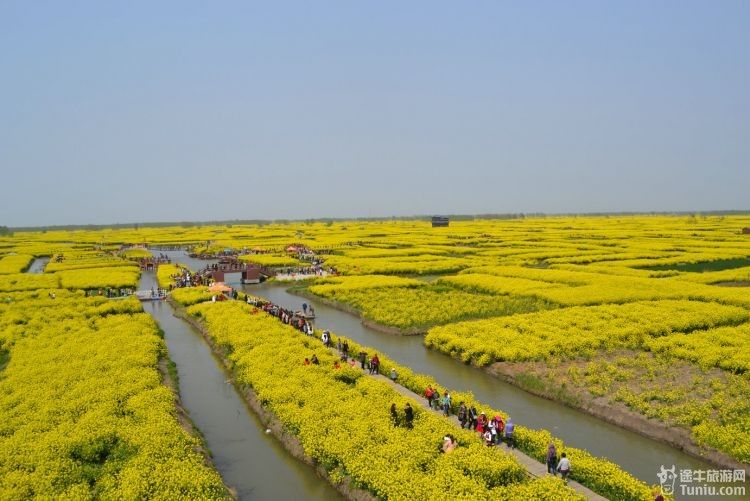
(385, 218)
(193, 112)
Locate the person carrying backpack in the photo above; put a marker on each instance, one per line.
(463, 414)
(499, 428)
(429, 394)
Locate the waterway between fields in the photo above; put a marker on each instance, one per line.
(640, 456)
(253, 463)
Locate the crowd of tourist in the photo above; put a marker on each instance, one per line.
(286, 316)
(110, 292)
(187, 278)
(151, 263)
(493, 432)
(315, 269)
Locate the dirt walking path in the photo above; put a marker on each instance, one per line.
(534, 467)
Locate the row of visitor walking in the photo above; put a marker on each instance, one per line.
(493, 432)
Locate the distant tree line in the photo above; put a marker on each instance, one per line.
(4, 230)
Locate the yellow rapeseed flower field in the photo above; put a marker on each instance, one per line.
(84, 412)
(599, 301)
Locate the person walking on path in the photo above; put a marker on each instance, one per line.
(482, 423)
(473, 418)
(564, 467)
(409, 415)
(429, 394)
(374, 364)
(488, 438)
(509, 429)
(362, 359)
(462, 414)
(499, 428)
(551, 459)
(345, 347)
(393, 374)
(436, 399)
(446, 404)
(492, 427)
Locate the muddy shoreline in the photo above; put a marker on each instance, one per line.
(678, 438)
(270, 421)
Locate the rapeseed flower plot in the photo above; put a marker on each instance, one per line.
(424, 264)
(135, 253)
(165, 273)
(577, 331)
(331, 285)
(419, 307)
(187, 296)
(98, 278)
(271, 260)
(15, 263)
(725, 347)
(27, 282)
(84, 410)
(81, 261)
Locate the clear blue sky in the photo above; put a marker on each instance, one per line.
(142, 111)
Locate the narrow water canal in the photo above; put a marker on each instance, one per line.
(37, 265)
(251, 462)
(638, 455)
